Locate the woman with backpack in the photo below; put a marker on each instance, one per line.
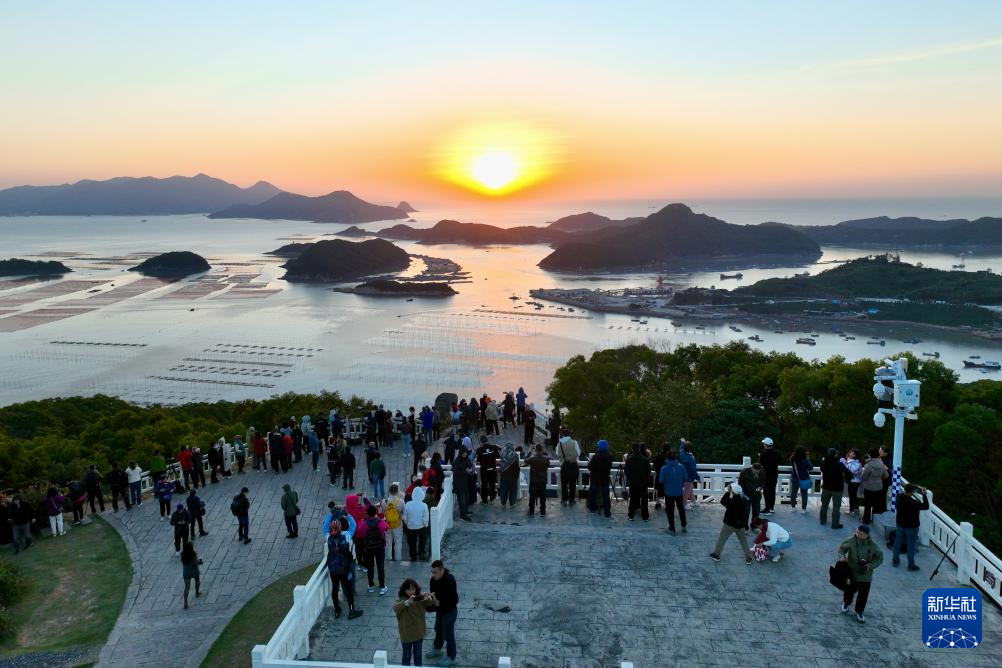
(54, 502)
(800, 478)
(340, 568)
(373, 530)
(410, 608)
(190, 571)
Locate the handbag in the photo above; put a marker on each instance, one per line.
(807, 484)
(760, 552)
(840, 576)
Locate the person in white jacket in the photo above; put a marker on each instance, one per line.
(416, 521)
(227, 459)
(774, 537)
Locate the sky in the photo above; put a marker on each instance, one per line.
(594, 100)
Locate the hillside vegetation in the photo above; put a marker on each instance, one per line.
(881, 278)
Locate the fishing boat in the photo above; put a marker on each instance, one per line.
(725, 277)
(514, 298)
(962, 265)
(850, 338)
(877, 343)
(777, 331)
(807, 341)
(987, 364)
(735, 329)
(975, 357)
(912, 341)
(815, 335)
(755, 338)
(932, 354)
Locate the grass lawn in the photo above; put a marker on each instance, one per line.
(256, 622)
(76, 588)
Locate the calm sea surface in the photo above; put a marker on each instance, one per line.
(241, 332)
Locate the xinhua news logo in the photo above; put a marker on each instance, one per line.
(951, 618)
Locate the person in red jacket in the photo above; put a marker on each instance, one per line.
(184, 457)
(372, 534)
(260, 452)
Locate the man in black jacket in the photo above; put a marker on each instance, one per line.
(443, 587)
(769, 459)
(637, 471)
(487, 460)
(833, 479)
(180, 521)
(196, 511)
(538, 465)
(119, 484)
(462, 469)
(600, 470)
(93, 482)
(907, 523)
(241, 509)
(735, 518)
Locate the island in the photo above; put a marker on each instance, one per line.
(389, 288)
(406, 207)
(354, 231)
(336, 260)
(910, 232)
(474, 234)
(871, 289)
(290, 250)
(18, 267)
(175, 264)
(132, 196)
(339, 206)
(676, 236)
(588, 222)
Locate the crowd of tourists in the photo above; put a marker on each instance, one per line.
(386, 517)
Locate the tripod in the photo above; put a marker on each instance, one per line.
(945, 554)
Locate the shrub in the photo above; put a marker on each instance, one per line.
(6, 623)
(11, 584)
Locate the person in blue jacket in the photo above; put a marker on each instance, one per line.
(339, 512)
(688, 460)
(672, 477)
(314, 442)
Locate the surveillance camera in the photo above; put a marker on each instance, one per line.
(879, 419)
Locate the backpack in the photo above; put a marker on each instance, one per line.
(338, 556)
(236, 507)
(392, 513)
(374, 540)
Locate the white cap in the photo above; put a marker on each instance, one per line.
(736, 488)
(767, 441)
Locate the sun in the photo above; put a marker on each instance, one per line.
(497, 159)
(495, 169)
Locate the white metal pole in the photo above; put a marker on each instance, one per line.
(899, 442)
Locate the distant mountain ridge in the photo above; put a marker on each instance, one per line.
(132, 196)
(339, 206)
(673, 233)
(910, 231)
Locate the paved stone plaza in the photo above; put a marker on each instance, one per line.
(577, 591)
(572, 589)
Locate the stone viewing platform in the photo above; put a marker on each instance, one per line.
(579, 591)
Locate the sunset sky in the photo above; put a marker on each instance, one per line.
(599, 100)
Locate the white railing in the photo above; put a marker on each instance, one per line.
(441, 518)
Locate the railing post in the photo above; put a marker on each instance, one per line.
(257, 656)
(504, 662)
(745, 462)
(626, 664)
(302, 627)
(965, 553)
(379, 659)
(925, 521)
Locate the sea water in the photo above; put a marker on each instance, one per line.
(243, 332)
